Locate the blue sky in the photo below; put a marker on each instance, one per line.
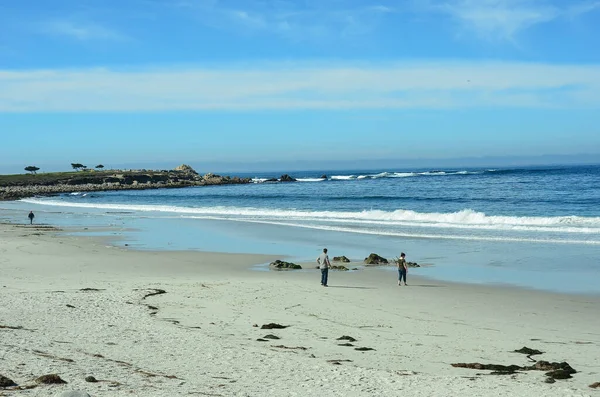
(147, 81)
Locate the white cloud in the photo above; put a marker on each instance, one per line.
(504, 19)
(83, 32)
(268, 87)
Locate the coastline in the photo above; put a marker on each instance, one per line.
(14, 187)
(198, 337)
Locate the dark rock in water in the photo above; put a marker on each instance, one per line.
(550, 380)
(271, 336)
(342, 268)
(528, 351)
(375, 259)
(323, 176)
(284, 265)
(261, 340)
(273, 326)
(272, 180)
(341, 259)
(286, 178)
(346, 337)
(595, 385)
(6, 382)
(346, 344)
(51, 379)
(91, 379)
(412, 264)
(363, 349)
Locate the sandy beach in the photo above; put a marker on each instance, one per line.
(188, 323)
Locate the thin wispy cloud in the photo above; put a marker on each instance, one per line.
(421, 85)
(505, 19)
(81, 31)
(578, 9)
(293, 19)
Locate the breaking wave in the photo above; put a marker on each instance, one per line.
(383, 221)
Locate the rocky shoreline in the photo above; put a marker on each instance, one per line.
(17, 188)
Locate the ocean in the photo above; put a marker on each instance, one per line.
(532, 227)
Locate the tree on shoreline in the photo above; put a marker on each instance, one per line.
(78, 166)
(99, 167)
(32, 168)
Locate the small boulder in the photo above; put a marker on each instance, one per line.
(323, 176)
(6, 382)
(341, 259)
(595, 385)
(286, 178)
(73, 393)
(412, 264)
(341, 268)
(91, 379)
(284, 265)
(51, 379)
(375, 259)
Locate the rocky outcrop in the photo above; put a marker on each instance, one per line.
(323, 176)
(375, 259)
(286, 178)
(14, 187)
(185, 169)
(341, 259)
(284, 265)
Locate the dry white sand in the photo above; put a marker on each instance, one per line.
(198, 338)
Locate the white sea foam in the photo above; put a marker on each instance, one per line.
(388, 174)
(311, 179)
(465, 219)
(343, 177)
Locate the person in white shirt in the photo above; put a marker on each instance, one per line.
(324, 265)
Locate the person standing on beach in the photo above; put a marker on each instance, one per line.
(31, 216)
(402, 268)
(324, 265)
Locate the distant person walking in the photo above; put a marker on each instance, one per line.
(324, 265)
(402, 268)
(31, 216)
